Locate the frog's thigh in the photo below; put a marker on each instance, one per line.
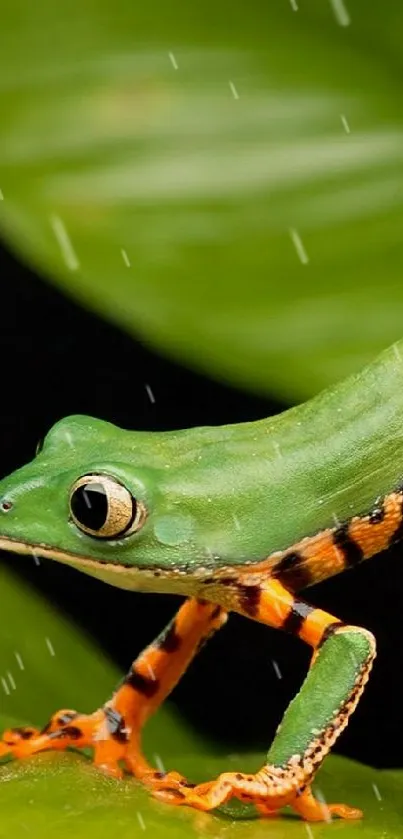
(342, 660)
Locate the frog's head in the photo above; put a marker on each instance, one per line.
(92, 498)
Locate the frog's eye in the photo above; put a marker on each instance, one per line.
(102, 507)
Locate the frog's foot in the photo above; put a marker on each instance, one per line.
(114, 730)
(113, 743)
(103, 730)
(267, 790)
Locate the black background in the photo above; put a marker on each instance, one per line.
(57, 359)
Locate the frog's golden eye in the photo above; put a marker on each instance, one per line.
(102, 507)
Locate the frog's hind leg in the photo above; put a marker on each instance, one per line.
(114, 731)
(340, 666)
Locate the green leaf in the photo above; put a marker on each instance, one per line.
(63, 795)
(170, 165)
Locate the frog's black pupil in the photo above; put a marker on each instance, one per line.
(89, 505)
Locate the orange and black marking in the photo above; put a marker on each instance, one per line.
(274, 605)
(314, 558)
(336, 549)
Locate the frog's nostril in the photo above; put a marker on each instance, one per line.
(5, 506)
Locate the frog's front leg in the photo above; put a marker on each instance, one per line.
(340, 666)
(114, 731)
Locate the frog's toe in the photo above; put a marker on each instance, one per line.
(314, 810)
(165, 782)
(15, 740)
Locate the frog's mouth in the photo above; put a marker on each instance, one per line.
(152, 579)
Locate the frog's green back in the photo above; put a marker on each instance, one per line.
(216, 496)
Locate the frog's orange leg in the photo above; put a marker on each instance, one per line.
(340, 666)
(114, 731)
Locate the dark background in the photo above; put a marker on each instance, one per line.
(57, 359)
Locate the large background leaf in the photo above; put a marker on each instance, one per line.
(64, 795)
(197, 143)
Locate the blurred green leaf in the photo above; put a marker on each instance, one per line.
(63, 795)
(171, 165)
